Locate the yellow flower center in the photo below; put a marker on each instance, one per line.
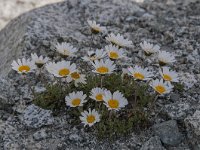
(66, 52)
(99, 97)
(75, 75)
(102, 70)
(90, 118)
(76, 102)
(113, 103)
(138, 75)
(114, 55)
(160, 89)
(167, 77)
(24, 68)
(64, 72)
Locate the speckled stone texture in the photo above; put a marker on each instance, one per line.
(168, 132)
(174, 27)
(153, 143)
(193, 127)
(35, 117)
(39, 29)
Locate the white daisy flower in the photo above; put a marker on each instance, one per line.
(90, 117)
(23, 66)
(165, 58)
(97, 55)
(103, 67)
(149, 48)
(96, 28)
(168, 75)
(77, 78)
(97, 94)
(61, 69)
(114, 101)
(65, 49)
(75, 99)
(114, 52)
(50, 66)
(161, 87)
(139, 73)
(119, 40)
(39, 60)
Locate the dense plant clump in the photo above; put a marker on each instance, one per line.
(133, 116)
(111, 99)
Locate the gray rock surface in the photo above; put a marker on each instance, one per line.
(36, 117)
(168, 132)
(40, 135)
(193, 127)
(8, 95)
(193, 123)
(9, 135)
(175, 29)
(153, 143)
(37, 31)
(177, 111)
(174, 97)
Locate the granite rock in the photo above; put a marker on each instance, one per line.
(8, 94)
(153, 143)
(36, 117)
(37, 31)
(168, 132)
(10, 135)
(177, 111)
(40, 135)
(193, 127)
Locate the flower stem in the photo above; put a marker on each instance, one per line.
(80, 109)
(111, 114)
(92, 39)
(100, 106)
(154, 102)
(102, 80)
